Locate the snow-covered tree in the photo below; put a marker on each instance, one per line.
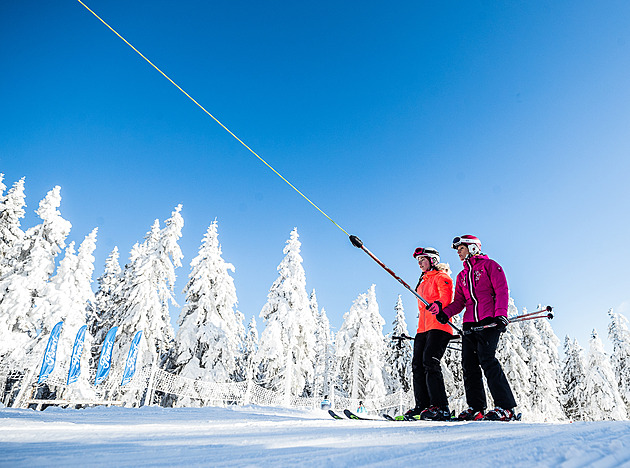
(286, 349)
(573, 396)
(65, 298)
(210, 334)
(603, 401)
(247, 364)
(514, 358)
(323, 349)
(619, 336)
(11, 235)
(398, 354)
(360, 349)
(541, 345)
(34, 262)
(145, 293)
(99, 314)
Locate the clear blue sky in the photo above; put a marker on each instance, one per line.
(407, 122)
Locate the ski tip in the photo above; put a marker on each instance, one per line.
(411, 418)
(334, 415)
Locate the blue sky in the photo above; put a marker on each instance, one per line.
(408, 123)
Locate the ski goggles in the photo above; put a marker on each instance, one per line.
(422, 251)
(457, 241)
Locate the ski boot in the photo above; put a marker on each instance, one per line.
(436, 414)
(470, 414)
(500, 414)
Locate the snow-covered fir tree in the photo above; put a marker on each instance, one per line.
(573, 395)
(603, 401)
(398, 354)
(619, 336)
(312, 387)
(99, 313)
(66, 298)
(34, 262)
(514, 358)
(247, 363)
(11, 234)
(360, 349)
(323, 350)
(144, 296)
(286, 349)
(210, 334)
(541, 345)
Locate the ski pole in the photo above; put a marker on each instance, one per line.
(358, 243)
(548, 316)
(548, 309)
(402, 337)
(534, 315)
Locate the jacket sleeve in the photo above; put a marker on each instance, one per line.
(459, 301)
(501, 291)
(445, 289)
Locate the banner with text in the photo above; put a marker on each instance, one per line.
(50, 355)
(75, 359)
(105, 360)
(130, 365)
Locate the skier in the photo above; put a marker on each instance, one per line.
(481, 287)
(431, 339)
(361, 409)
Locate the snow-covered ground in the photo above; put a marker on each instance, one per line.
(261, 436)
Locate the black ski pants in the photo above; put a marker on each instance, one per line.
(428, 382)
(478, 352)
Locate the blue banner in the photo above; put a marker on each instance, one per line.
(106, 356)
(75, 359)
(130, 365)
(50, 355)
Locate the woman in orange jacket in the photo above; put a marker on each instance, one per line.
(431, 339)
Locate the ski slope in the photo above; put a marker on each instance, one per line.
(265, 436)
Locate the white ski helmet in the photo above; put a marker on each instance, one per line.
(429, 252)
(473, 243)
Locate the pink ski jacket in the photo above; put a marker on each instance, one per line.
(481, 287)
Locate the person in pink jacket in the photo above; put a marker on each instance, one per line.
(481, 288)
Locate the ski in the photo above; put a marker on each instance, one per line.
(411, 418)
(334, 415)
(350, 415)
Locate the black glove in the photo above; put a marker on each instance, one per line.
(502, 322)
(440, 316)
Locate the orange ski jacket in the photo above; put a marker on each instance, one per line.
(434, 285)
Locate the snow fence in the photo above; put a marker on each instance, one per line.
(159, 387)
